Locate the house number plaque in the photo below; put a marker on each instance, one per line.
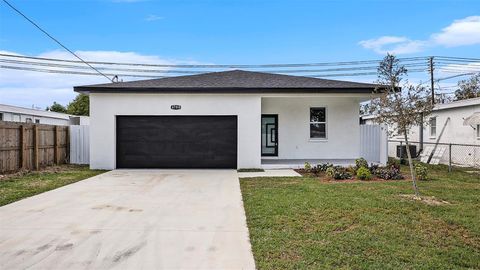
(175, 107)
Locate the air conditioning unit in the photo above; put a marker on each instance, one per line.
(402, 151)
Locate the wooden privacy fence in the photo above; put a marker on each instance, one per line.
(31, 146)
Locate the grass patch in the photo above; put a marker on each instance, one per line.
(251, 170)
(303, 223)
(21, 185)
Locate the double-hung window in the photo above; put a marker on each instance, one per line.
(433, 127)
(318, 123)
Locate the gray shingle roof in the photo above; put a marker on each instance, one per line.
(232, 81)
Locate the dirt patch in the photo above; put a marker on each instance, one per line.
(429, 200)
(123, 255)
(64, 247)
(115, 208)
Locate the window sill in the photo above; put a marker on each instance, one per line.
(318, 140)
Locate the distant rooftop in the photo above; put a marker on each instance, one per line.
(237, 81)
(29, 111)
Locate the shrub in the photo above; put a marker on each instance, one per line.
(338, 173)
(307, 166)
(364, 173)
(421, 171)
(360, 162)
(330, 172)
(391, 172)
(393, 161)
(324, 166)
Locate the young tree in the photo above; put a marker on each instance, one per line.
(79, 106)
(400, 105)
(56, 107)
(469, 88)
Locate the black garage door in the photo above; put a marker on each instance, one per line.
(176, 141)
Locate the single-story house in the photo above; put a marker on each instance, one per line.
(27, 115)
(230, 119)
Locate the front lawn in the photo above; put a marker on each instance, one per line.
(303, 223)
(22, 185)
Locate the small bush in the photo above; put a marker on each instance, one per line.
(393, 161)
(338, 173)
(307, 166)
(391, 172)
(364, 174)
(315, 170)
(324, 166)
(421, 171)
(360, 162)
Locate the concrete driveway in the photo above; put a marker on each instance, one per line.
(131, 219)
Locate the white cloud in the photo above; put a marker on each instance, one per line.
(393, 44)
(27, 88)
(152, 17)
(459, 33)
(453, 69)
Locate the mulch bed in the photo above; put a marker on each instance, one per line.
(324, 178)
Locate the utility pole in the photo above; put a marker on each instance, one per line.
(432, 83)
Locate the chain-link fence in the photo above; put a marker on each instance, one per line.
(451, 154)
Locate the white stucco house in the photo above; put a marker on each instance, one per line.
(230, 119)
(27, 115)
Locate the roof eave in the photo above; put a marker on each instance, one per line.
(218, 90)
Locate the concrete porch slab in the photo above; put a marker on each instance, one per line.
(270, 173)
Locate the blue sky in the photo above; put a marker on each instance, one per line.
(248, 31)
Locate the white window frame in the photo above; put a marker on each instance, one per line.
(316, 122)
(430, 123)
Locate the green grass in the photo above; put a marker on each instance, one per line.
(17, 187)
(251, 170)
(302, 223)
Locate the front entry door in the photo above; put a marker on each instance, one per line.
(269, 135)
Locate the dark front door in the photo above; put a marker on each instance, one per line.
(269, 135)
(177, 142)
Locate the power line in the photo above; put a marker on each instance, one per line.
(344, 63)
(455, 76)
(54, 39)
(75, 72)
(68, 66)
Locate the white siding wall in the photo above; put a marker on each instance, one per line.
(104, 108)
(343, 128)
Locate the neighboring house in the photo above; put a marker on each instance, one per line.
(231, 119)
(35, 116)
(461, 120)
(455, 131)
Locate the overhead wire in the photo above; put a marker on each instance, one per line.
(54, 39)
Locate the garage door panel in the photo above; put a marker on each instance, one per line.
(176, 141)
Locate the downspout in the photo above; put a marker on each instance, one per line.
(420, 134)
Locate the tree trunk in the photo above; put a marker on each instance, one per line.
(410, 164)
